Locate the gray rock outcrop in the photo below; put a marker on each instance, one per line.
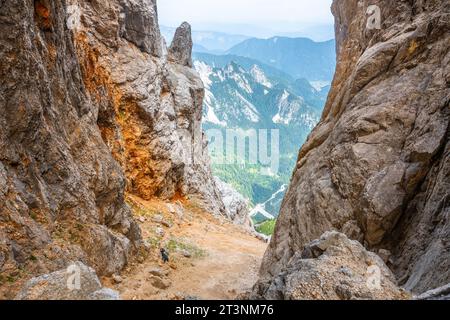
(138, 21)
(377, 165)
(331, 268)
(180, 50)
(150, 106)
(236, 206)
(442, 293)
(64, 285)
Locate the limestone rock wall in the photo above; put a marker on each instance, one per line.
(61, 191)
(90, 109)
(150, 108)
(377, 165)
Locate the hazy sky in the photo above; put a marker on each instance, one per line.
(248, 16)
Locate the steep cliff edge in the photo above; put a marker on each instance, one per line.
(377, 166)
(90, 109)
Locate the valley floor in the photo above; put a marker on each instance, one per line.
(210, 258)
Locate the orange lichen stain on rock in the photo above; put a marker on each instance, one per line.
(94, 75)
(412, 47)
(138, 165)
(178, 196)
(21, 109)
(123, 134)
(52, 51)
(26, 161)
(41, 10)
(43, 15)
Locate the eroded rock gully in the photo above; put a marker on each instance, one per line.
(90, 109)
(377, 166)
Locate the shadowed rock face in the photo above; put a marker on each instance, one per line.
(58, 181)
(180, 50)
(377, 165)
(87, 113)
(138, 20)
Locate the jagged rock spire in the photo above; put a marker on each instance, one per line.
(139, 25)
(180, 50)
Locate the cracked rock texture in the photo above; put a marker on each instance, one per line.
(76, 282)
(180, 50)
(138, 23)
(236, 206)
(90, 109)
(150, 108)
(61, 191)
(331, 268)
(377, 165)
(442, 293)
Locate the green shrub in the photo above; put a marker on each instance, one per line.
(175, 245)
(267, 227)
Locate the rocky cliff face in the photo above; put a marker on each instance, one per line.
(90, 108)
(150, 100)
(377, 166)
(236, 206)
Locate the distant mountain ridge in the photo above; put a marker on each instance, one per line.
(301, 87)
(208, 41)
(299, 57)
(278, 83)
(245, 93)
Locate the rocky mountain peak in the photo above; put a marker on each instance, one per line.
(180, 50)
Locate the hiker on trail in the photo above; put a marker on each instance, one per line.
(164, 255)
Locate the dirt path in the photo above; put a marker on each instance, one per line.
(224, 258)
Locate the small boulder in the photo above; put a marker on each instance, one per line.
(157, 272)
(104, 294)
(160, 231)
(160, 283)
(158, 218)
(76, 282)
(117, 279)
(141, 219)
(166, 223)
(185, 253)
